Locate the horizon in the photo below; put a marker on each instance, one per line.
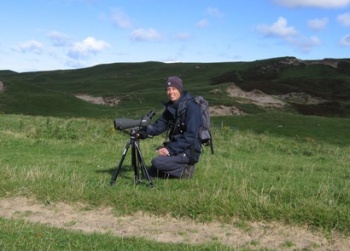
(76, 34)
(150, 61)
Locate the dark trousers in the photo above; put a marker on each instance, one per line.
(169, 165)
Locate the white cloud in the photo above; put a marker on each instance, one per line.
(214, 12)
(345, 41)
(314, 3)
(344, 19)
(202, 23)
(58, 38)
(145, 35)
(120, 19)
(30, 46)
(305, 45)
(318, 23)
(290, 35)
(88, 46)
(279, 28)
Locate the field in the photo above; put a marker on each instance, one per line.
(57, 172)
(279, 178)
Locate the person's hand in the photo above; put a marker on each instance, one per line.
(141, 134)
(163, 152)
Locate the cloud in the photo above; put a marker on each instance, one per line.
(75, 64)
(214, 12)
(30, 46)
(318, 23)
(145, 35)
(290, 35)
(121, 20)
(313, 3)
(344, 19)
(202, 23)
(58, 38)
(279, 29)
(305, 45)
(88, 46)
(345, 41)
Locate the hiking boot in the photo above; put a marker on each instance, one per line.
(188, 172)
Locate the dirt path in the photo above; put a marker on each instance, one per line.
(255, 235)
(1, 87)
(253, 97)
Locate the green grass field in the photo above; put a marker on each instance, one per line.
(289, 167)
(262, 170)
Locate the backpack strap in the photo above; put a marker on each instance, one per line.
(211, 143)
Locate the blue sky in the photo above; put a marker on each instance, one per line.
(40, 35)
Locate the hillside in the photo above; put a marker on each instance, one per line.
(317, 87)
(279, 179)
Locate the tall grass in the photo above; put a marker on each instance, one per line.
(252, 176)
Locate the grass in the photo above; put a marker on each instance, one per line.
(20, 235)
(311, 128)
(139, 85)
(268, 166)
(252, 176)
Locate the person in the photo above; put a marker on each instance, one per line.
(182, 119)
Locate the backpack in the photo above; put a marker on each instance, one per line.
(204, 131)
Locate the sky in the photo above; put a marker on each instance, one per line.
(42, 35)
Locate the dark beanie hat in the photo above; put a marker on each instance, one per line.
(175, 82)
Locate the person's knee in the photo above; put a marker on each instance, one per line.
(160, 163)
(157, 163)
(154, 163)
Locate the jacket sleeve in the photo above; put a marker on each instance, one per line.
(184, 141)
(159, 126)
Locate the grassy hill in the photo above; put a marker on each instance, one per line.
(277, 168)
(139, 86)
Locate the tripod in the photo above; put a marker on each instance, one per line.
(137, 161)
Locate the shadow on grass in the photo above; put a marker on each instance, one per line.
(124, 172)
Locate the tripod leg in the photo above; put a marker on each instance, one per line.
(142, 164)
(135, 163)
(117, 170)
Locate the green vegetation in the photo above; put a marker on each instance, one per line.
(138, 86)
(27, 236)
(300, 179)
(268, 166)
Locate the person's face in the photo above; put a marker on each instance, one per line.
(173, 94)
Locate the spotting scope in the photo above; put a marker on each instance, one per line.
(125, 123)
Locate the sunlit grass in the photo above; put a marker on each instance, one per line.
(251, 176)
(20, 235)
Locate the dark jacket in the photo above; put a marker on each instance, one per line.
(183, 133)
